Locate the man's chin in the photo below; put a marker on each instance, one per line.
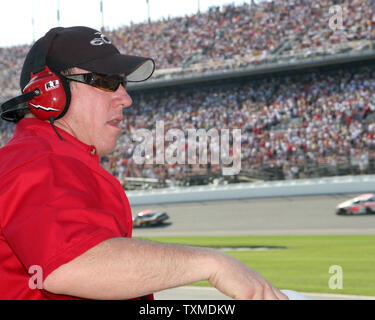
(106, 149)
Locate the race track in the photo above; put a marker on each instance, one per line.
(307, 215)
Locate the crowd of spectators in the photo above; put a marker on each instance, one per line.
(11, 61)
(291, 125)
(238, 36)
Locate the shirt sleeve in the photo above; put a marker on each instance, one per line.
(57, 211)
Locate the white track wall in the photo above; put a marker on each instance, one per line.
(319, 186)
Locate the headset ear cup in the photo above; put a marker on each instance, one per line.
(52, 98)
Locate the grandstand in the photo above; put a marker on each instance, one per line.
(301, 93)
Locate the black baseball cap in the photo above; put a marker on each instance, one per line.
(85, 48)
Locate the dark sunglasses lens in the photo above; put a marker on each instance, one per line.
(110, 83)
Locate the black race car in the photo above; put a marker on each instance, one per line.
(149, 217)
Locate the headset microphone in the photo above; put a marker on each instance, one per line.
(15, 107)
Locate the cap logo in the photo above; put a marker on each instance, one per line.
(99, 41)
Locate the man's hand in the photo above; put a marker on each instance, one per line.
(236, 280)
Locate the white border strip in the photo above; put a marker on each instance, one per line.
(207, 293)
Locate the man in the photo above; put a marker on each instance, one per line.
(63, 215)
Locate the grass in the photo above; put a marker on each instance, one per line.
(304, 264)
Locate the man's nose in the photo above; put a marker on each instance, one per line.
(123, 97)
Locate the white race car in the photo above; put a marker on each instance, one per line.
(363, 204)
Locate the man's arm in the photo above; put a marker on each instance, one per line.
(123, 268)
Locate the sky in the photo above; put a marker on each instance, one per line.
(24, 21)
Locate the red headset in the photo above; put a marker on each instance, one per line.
(50, 99)
(47, 94)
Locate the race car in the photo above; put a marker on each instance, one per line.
(149, 217)
(362, 204)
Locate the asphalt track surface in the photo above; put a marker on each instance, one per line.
(304, 215)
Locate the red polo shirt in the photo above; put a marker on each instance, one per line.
(56, 202)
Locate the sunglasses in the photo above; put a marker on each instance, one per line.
(100, 81)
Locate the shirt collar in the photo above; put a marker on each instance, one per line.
(32, 126)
